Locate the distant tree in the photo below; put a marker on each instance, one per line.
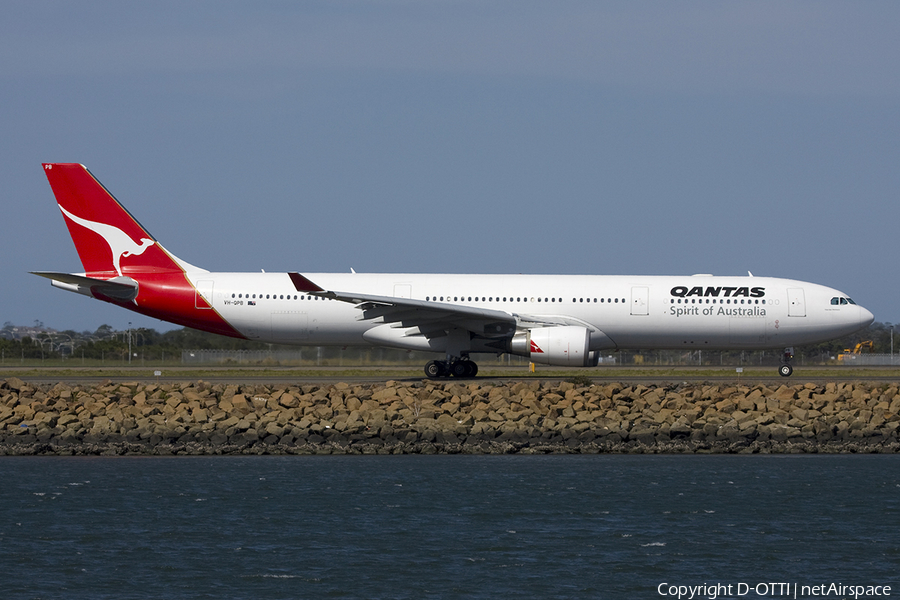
(105, 331)
(878, 333)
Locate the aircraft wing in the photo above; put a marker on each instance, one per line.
(434, 318)
(429, 318)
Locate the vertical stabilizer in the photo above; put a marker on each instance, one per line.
(123, 263)
(110, 242)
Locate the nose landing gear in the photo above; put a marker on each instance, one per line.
(785, 370)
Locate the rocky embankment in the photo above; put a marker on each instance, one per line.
(445, 417)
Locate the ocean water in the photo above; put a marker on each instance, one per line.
(447, 526)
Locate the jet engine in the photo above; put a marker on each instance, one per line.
(563, 346)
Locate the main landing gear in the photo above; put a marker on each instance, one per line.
(786, 369)
(462, 367)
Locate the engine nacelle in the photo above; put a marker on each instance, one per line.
(564, 346)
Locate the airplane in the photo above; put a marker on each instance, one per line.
(562, 320)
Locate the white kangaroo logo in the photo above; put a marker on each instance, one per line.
(120, 244)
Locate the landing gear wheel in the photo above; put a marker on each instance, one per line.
(464, 368)
(459, 369)
(785, 370)
(434, 369)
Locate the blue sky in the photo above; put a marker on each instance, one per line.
(647, 138)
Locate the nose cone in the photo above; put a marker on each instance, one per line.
(865, 317)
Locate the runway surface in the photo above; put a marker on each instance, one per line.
(319, 375)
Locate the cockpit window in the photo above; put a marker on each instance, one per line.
(837, 301)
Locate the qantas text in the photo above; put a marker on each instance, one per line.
(726, 292)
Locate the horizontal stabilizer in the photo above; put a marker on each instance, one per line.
(118, 288)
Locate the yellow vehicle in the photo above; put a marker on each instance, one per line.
(849, 354)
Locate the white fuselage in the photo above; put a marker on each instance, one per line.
(562, 320)
(694, 312)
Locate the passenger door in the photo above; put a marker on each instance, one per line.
(796, 302)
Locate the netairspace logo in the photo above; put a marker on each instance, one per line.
(712, 591)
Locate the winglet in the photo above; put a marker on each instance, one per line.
(302, 284)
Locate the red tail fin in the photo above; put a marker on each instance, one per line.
(109, 241)
(112, 245)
